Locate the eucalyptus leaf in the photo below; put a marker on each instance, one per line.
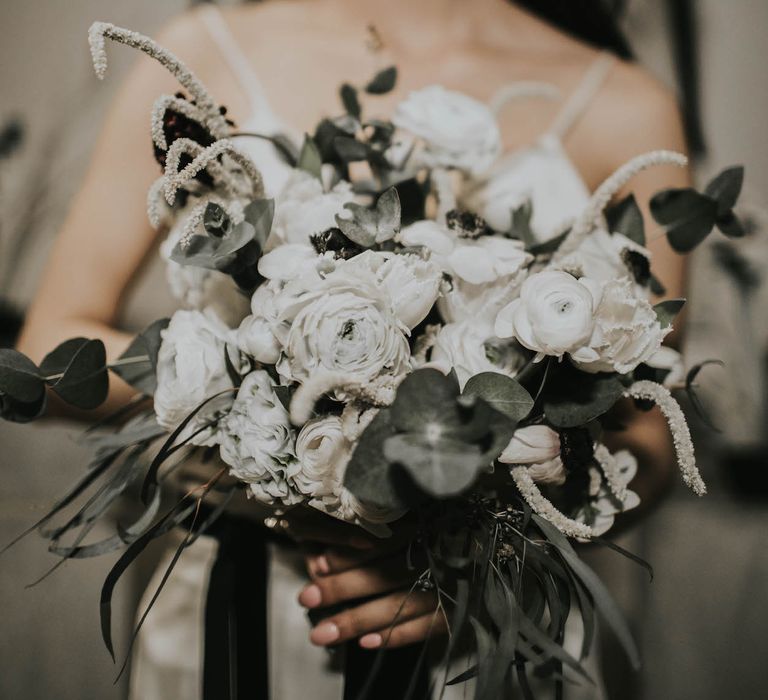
(369, 475)
(383, 82)
(574, 398)
(16, 411)
(730, 225)
(626, 218)
(424, 398)
(442, 467)
(260, 214)
(687, 215)
(502, 392)
(138, 364)
(19, 377)
(549, 246)
(310, 160)
(82, 364)
(725, 189)
(369, 226)
(667, 310)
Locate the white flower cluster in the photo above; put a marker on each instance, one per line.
(337, 333)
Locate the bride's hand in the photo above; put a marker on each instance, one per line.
(399, 615)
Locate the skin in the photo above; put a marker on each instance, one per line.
(302, 50)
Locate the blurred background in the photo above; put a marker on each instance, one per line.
(700, 622)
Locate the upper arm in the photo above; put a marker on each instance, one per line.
(649, 120)
(106, 234)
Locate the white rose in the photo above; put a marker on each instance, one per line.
(345, 325)
(190, 369)
(304, 209)
(411, 283)
(257, 441)
(198, 288)
(458, 131)
(553, 316)
(470, 348)
(322, 452)
(537, 447)
(626, 331)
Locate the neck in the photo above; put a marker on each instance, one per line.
(423, 26)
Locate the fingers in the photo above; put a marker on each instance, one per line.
(375, 615)
(416, 630)
(336, 560)
(385, 576)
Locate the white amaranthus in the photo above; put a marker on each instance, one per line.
(591, 214)
(543, 507)
(678, 426)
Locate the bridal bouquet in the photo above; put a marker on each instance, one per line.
(380, 340)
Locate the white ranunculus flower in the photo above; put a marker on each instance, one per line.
(471, 348)
(475, 261)
(257, 441)
(411, 283)
(553, 316)
(290, 261)
(344, 325)
(303, 209)
(322, 452)
(198, 288)
(537, 447)
(462, 301)
(457, 131)
(190, 369)
(600, 256)
(626, 330)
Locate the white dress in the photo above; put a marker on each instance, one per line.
(167, 661)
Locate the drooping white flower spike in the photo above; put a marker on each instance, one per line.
(678, 426)
(610, 468)
(99, 31)
(543, 507)
(589, 218)
(207, 158)
(177, 104)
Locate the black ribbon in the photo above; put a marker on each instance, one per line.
(235, 665)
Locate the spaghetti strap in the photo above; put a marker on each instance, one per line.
(233, 55)
(580, 98)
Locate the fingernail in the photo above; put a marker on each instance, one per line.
(320, 565)
(311, 596)
(371, 641)
(324, 633)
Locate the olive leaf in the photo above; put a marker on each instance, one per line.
(626, 218)
(349, 100)
(310, 160)
(667, 310)
(383, 82)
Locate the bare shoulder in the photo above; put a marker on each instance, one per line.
(633, 113)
